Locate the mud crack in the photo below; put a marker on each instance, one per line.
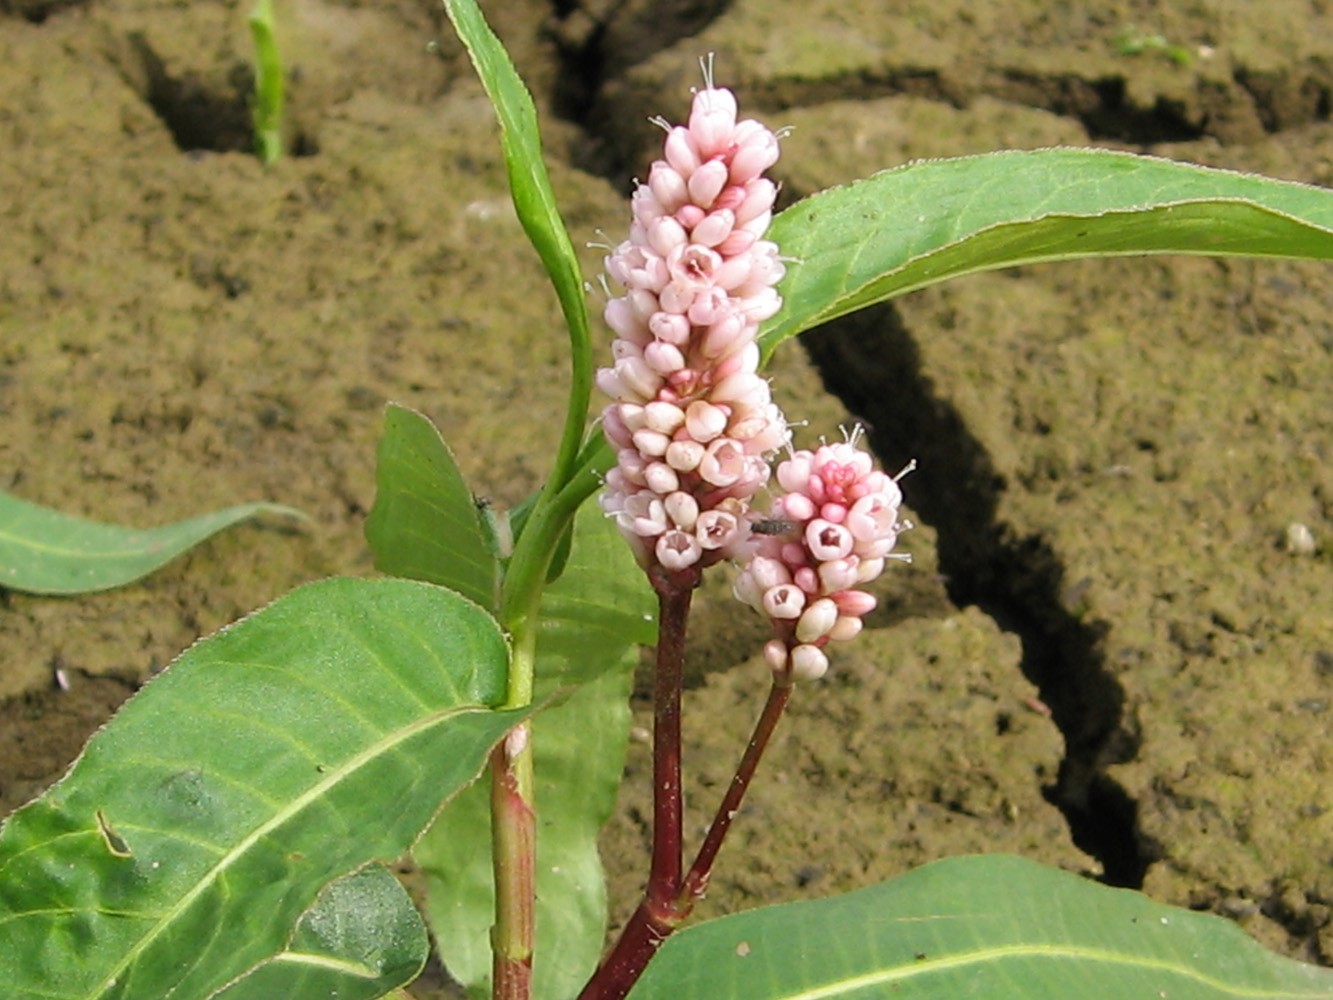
(871, 362)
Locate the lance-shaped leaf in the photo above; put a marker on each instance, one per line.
(926, 222)
(292, 748)
(362, 938)
(534, 200)
(591, 619)
(425, 524)
(43, 551)
(997, 927)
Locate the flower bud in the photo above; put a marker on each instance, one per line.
(684, 456)
(681, 152)
(706, 183)
(661, 478)
(665, 418)
(667, 185)
(663, 358)
(854, 602)
(704, 421)
(768, 573)
(808, 663)
(816, 620)
(670, 328)
(683, 510)
(714, 228)
(846, 627)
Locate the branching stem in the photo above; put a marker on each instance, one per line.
(669, 897)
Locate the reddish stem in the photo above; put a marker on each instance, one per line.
(673, 611)
(669, 899)
(514, 844)
(696, 882)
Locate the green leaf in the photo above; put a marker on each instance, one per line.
(997, 927)
(425, 524)
(361, 939)
(282, 753)
(268, 96)
(43, 551)
(534, 200)
(926, 222)
(591, 619)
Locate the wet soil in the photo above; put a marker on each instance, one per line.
(1106, 655)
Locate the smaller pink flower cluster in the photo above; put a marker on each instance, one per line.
(835, 526)
(691, 419)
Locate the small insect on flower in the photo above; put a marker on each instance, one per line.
(773, 526)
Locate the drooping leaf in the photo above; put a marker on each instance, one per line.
(926, 222)
(997, 927)
(591, 619)
(316, 735)
(425, 524)
(534, 200)
(43, 551)
(362, 938)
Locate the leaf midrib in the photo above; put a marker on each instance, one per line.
(331, 779)
(852, 984)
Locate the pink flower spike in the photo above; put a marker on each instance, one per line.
(692, 420)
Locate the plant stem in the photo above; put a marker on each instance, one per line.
(514, 849)
(696, 881)
(673, 611)
(669, 898)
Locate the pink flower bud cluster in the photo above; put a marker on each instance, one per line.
(836, 525)
(691, 419)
